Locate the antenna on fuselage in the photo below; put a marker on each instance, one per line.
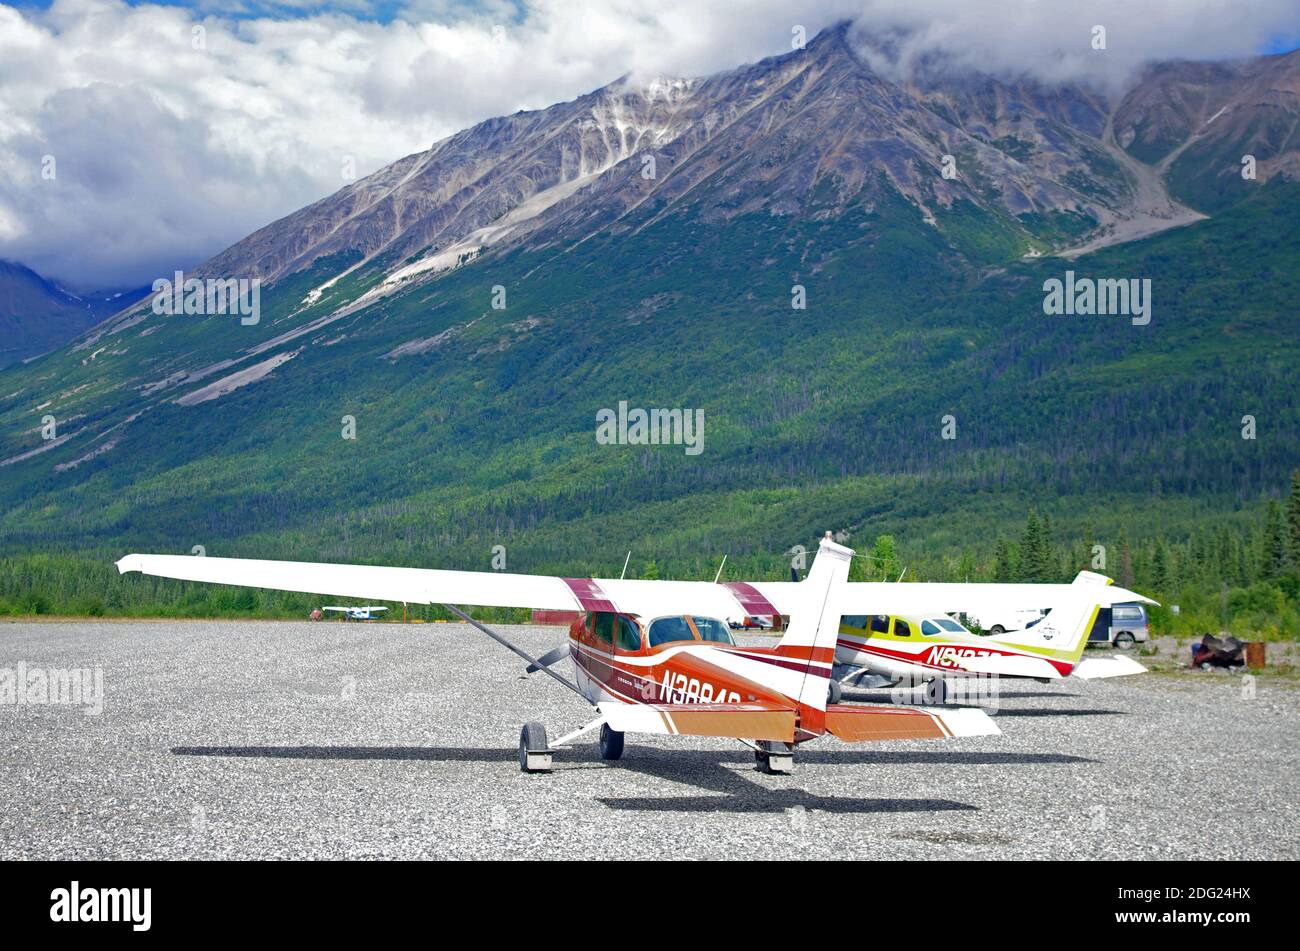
(718, 576)
(625, 561)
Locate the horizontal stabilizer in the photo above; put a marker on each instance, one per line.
(1096, 668)
(866, 724)
(740, 721)
(1011, 665)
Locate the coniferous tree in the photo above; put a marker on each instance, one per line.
(1125, 560)
(1293, 520)
(1160, 568)
(1004, 563)
(1274, 554)
(1035, 554)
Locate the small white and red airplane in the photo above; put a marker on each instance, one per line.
(656, 656)
(364, 612)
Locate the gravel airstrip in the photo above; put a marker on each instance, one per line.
(357, 741)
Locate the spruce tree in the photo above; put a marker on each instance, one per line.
(1035, 553)
(1274, 565)
(1125, 561)
(1293, 520)
(1160, 568)
(1004, 565)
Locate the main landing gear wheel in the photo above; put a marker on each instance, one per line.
(611, 743)
(534, 752)
(833, 693)
(774, 758)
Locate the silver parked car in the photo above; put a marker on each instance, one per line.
(1121, 624)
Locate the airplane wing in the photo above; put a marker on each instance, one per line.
(479, 588)
(412, 585)
(648, 598)
(974, 598)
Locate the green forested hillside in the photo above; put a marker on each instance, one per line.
(825, 418)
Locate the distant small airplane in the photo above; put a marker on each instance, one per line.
(655, 656)
(366, 613)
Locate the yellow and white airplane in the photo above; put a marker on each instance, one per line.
(934, 648)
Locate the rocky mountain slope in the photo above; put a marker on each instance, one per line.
(37, 315)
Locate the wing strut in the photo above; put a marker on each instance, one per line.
(509, 646)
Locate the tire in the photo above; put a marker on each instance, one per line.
(611, 743)
(833, 693)
(532, 737)
(783, 755)
(1123, 640)
(997, 629)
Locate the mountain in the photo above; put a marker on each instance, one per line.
(1194, 122)
(468, 312)
(37, 315)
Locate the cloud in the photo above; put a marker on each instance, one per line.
(175, 132)
(1052, 40)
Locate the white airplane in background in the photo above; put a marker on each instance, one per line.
(364, 613)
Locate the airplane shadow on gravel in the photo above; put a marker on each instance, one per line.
(466, 754)
(1052, 712)
(712, 770)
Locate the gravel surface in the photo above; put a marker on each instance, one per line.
(331, 740)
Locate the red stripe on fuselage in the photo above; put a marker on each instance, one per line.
(865, 647)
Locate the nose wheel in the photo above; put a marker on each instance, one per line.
(535, 755)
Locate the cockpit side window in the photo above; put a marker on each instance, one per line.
(629, 635)
(858, 621)
(880, 623)
(603, 626)
(669, 629)
(902, 628)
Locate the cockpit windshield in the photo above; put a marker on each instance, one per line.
(669, 629)
(936, 625)
(711, 629)
(666, 630)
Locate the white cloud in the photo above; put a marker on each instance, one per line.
(166, 153)
(1052, 39)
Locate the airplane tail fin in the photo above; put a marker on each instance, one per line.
(1062, 635)
(809, 641)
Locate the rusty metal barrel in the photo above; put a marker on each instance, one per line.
(1255, 655)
